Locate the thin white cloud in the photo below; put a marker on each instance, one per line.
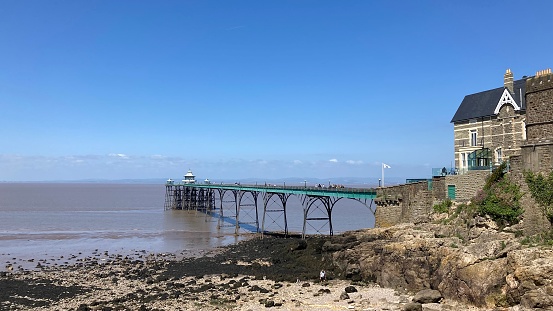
(297, 162)
(333, 160)
(118, 155)
(354, 162)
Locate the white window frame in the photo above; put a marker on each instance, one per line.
(524, 129)
(473, 138)
(499, 155)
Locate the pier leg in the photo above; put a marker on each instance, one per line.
(265, 200)
(237, 208)
(221, 214)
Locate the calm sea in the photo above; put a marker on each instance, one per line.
(50, 220)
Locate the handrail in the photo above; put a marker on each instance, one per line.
(334, 192)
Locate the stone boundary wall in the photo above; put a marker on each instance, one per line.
(439, 188)
(387, 216)
(413, 203)
(403, 203)
(533, 219)
(467, 185)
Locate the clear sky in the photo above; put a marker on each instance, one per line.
(250, 89)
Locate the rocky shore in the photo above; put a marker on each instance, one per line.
(477, 265)
(398, 268)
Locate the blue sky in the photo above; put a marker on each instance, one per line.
(250, 89)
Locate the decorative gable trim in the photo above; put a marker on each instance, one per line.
(505, 99)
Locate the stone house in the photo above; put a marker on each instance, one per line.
(524, 128)
(490, 126)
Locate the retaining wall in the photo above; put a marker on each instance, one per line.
(403, 203)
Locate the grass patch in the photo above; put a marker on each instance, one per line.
(443, 207)
(542, 239)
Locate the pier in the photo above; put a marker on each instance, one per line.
(239, 203)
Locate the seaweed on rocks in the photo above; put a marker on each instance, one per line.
(279, 259)
(36, 292)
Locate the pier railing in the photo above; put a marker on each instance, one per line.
(340, 192)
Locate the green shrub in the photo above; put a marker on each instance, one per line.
(541, 188)
(443, 207)
(545, 238)
(496, 176)
(500, 199)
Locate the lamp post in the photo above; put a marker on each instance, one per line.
(379, 182)
(305, 183)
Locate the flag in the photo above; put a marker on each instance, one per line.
(386, 166)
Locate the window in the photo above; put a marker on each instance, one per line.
(499, 155)
(464, 163)
(524, 130)
(473, 138)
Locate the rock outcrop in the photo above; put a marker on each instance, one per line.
(483, 267)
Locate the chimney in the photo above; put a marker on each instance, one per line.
(508, 81)
(543, 72)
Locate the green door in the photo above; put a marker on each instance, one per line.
(451, 192)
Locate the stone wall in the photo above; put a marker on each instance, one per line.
(467, 185)
(412, 203)
(403, 204)
(537, 158)
(387, 216)
(537, 152)
(439, 188)
(534, 220)
(539, 108)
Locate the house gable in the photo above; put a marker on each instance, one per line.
(506, 99)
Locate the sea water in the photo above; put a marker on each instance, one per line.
(56, 220)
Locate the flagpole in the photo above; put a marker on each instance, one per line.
(382, 166)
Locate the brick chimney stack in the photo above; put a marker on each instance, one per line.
(508, 81)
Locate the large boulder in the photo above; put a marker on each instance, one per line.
(530, 281)
(412, 306)
(428, 296)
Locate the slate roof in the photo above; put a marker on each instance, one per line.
(476, 106)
